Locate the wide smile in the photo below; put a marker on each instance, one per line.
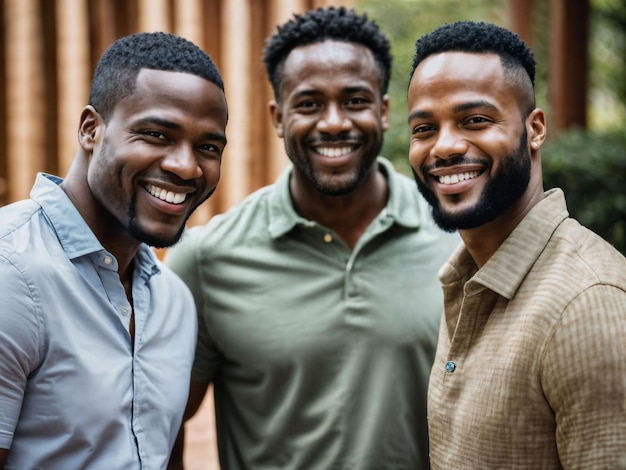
(457, 177)
(165, 195)
(335, 152)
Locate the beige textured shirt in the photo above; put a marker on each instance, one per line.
(530, 370)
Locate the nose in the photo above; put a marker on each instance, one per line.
(334, 120)
(182, 162)
(449, 143)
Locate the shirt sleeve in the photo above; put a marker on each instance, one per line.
(185, 261)
(585, 379)
(19, 344)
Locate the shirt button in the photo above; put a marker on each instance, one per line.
(108, 260)
(124, 311)
(328, 238)
(450, 366)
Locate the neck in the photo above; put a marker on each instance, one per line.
(109, 232)
(347, 215)
(483, 241)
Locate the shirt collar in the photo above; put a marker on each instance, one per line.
(73, 233)
(518, 252)
(284, 218)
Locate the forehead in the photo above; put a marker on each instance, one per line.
(459, 73)
(165, 91)
(328, 64)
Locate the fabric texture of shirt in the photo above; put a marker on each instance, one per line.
(320, 356)
(530, 370)
(73, 393)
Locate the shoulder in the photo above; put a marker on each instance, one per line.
(16, 216)
(241, 221)
(585, 257)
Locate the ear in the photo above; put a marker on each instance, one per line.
(277, 117)
(536, 128)
(89, 128)
(385, 112)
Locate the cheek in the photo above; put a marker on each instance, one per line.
(211, 170)
(417, 155)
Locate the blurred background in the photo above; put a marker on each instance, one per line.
(49, 48)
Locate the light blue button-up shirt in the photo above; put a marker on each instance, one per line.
(73, 392)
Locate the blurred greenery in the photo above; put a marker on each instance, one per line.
(403, 21)
(590, 167)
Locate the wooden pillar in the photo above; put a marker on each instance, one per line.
(569, 63)
(24, 81)
(3, 118)
(73, 75)
(154, 15)
(236, 70)
(521, 19)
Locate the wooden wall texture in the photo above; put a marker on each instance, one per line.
(49, 49)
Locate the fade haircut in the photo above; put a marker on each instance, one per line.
(336, 24)
(116, 73)
(516, 57)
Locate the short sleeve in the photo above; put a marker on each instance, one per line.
(19, 344)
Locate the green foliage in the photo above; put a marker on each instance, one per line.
(591, 169)
(607, 51)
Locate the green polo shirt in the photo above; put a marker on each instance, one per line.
(320, 356)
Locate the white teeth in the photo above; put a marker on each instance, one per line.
(164, 195)
(333, 152)
(453, 179)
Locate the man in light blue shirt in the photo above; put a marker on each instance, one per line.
(96, 335)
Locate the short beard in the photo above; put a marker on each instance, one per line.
(152, 239)
(504, 189)
(343, 184)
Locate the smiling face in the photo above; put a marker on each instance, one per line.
(158, 157)
(331, 115)
(471, 147)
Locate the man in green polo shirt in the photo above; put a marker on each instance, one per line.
(318, 297)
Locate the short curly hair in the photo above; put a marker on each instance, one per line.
(116, 73)
(337, 24)
(483, 38)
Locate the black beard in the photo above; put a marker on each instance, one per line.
(504, 189)
(152, 239)
(347, 184)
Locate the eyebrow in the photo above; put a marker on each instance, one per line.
(157, 121)
(457, 109)
(349, 90)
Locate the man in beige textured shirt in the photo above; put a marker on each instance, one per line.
(530, 370)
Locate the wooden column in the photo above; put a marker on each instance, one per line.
(569, 63)
(73, 75)
(154, 15)
(236, 69)
(521, 19)
(25, 123)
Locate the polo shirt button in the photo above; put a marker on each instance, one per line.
(450, 366)
(108, 260)
(328, 238)
(124, 311)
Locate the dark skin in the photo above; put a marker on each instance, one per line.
(331, 116)
(121, 245)
(169, 134)
(331, 100)
(464, 105)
